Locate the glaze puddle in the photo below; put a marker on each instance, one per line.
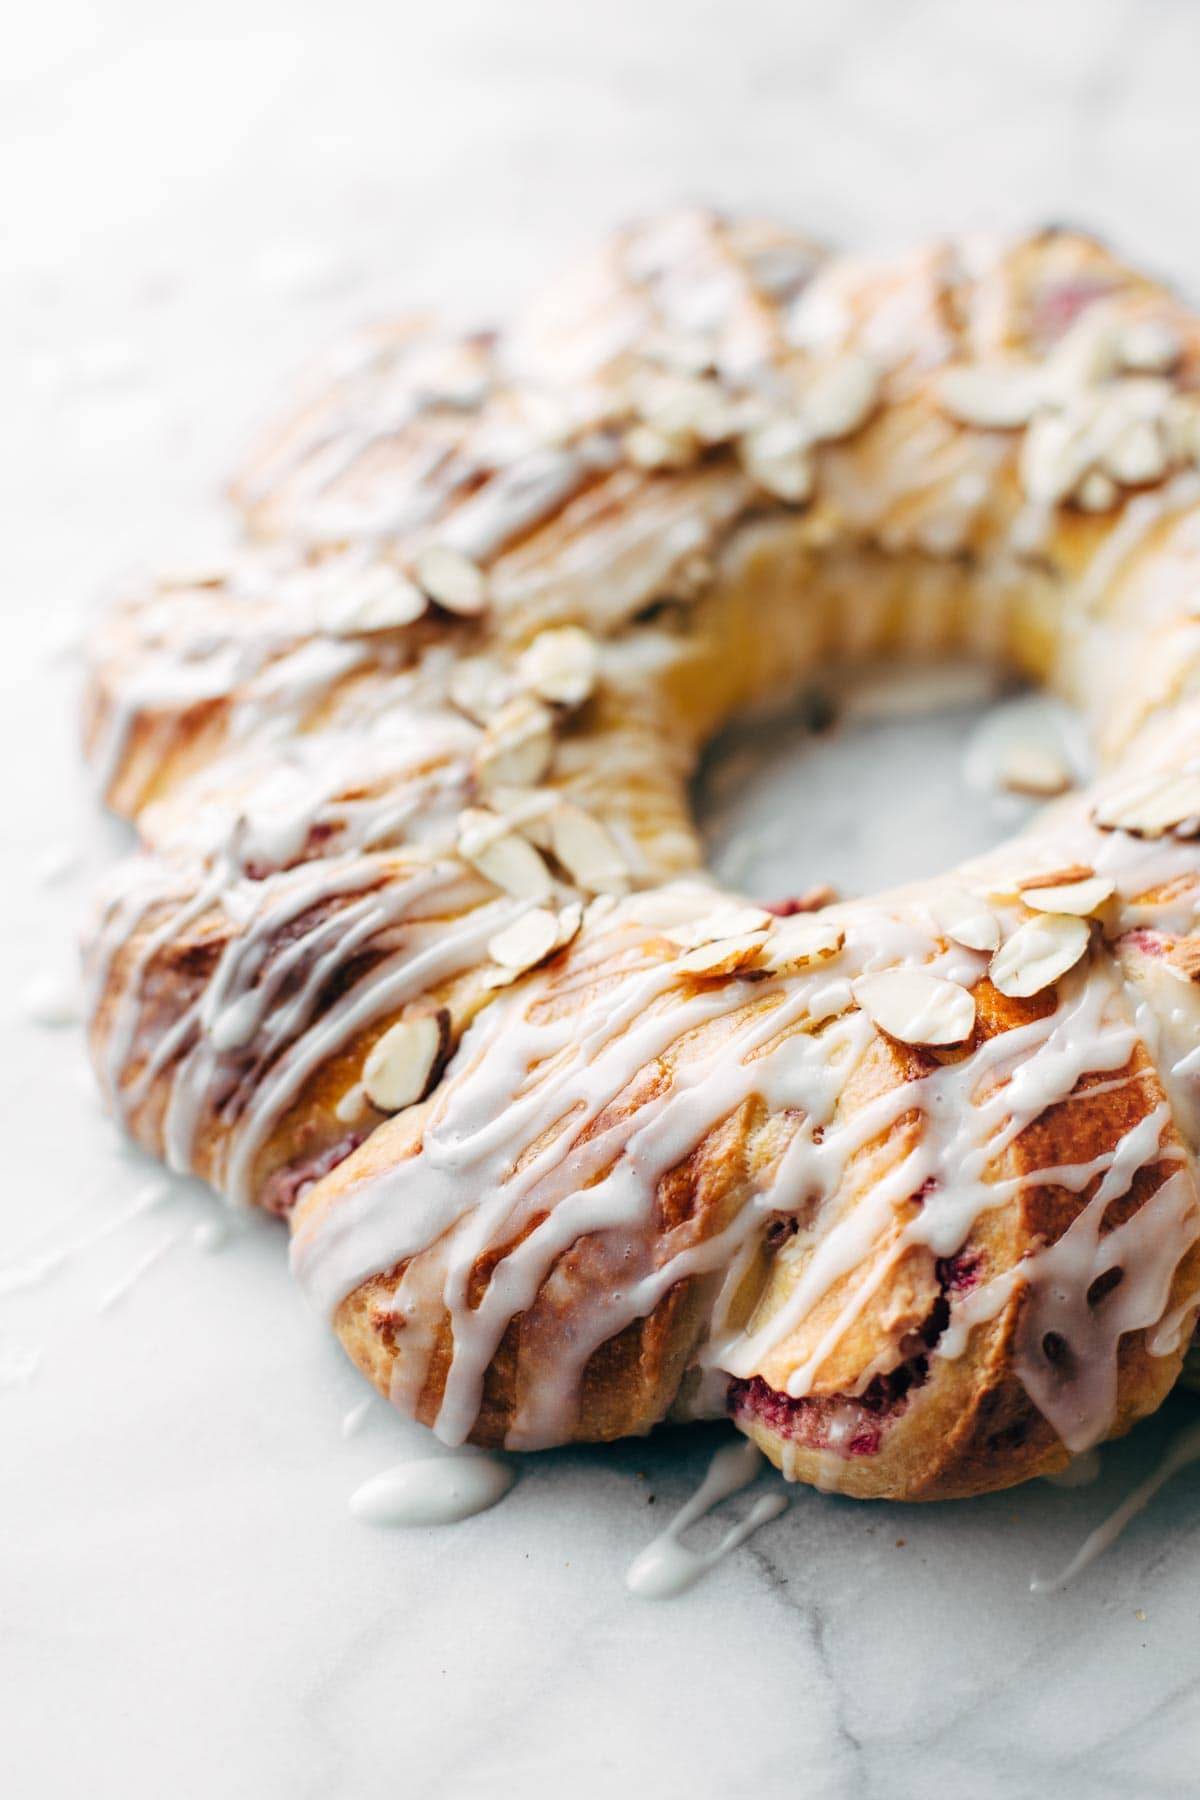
(666, 1567)
(441, 1491)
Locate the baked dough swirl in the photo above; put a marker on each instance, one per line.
(416, 947)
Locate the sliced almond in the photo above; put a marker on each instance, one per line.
(693, 408)
(588, 851)
(479, 687)
(453, 580)
(842, 397)
(1138, 455)
(402, 1063)
(721, 922)
(993, 396)
(1033, 769)
(1038, 953)
(777, 455)
(1053, 458)
(1150, 347)
(1097, 492)
(1152, 808)
(648, 448)
(799, 943)
(518, 746)
(1184, 958)
(917, 1007)
(490, 845)
(724, 957)
(1071, 872)
(1080, 898)
(560, 666)
(570, 918)
(527, 941)
(967, 920)
(376, 599)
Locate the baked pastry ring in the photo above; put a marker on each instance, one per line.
(416, 948)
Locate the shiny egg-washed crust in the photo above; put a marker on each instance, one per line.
(300, 734)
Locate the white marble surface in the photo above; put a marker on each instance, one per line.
(186, 1606)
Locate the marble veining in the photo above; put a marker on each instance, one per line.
(188, 1606)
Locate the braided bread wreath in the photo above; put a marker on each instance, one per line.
(415, 948)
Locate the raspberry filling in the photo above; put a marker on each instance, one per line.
(286, 1185)
(855, 1424)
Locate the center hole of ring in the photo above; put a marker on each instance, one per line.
(884, 775)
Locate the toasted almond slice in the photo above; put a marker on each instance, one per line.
(1184, 958)
(479, 687)
(1097, 492)
(1149, 347)
(1080, 898)
(401, 1064)
(377, 599)
(1033, 769)
(1053, 458)
(777, 456)
(587, 850)
(724, 957)
(518, 746)
(1152, 808)
(1038, 953)
(1137, 455)
(798, 943)
(648, 448)
(453, 580)
(1071, 872)
(917, 1007)
(722, 922)
(490, 845)
(570, 918)
(842, 397)
(995, 396)
(966, 919)
(560, 666)
(527, 941)
(527, 810)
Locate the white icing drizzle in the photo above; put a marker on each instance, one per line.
(442, 1491)
(1183, 1450)
(256, 1032)
(667, 1567)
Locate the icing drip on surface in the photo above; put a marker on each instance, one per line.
(211, 1235)
(442, 1491)
(1181, 1452)
(1081, 1471)
(53, 999)
(39, 1267)
(666, 1567)
(150, 1259)
(355, 1417)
